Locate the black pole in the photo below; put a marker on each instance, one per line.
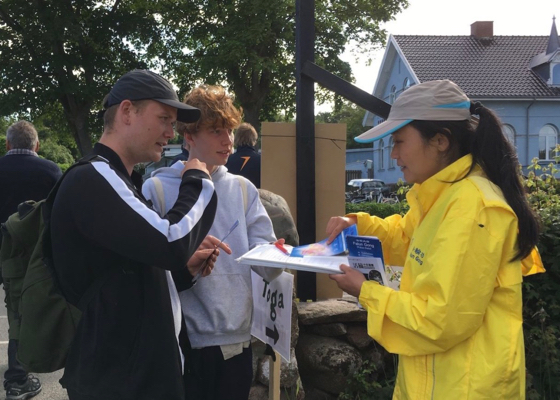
(305, 140)
(346, 89)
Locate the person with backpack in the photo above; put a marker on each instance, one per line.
(23, 176)
(456, 322)
(218, 309)
(129, 343)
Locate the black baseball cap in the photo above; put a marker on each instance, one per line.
(141, 84)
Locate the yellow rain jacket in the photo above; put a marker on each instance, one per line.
(456, 322)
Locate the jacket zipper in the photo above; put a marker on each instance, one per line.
(433, 375)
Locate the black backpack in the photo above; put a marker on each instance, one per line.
(40, 318)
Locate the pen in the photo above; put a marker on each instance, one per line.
(281, 248)
(203, 266)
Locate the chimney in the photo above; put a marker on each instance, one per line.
(482, 29)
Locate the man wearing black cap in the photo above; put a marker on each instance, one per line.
(111, 247)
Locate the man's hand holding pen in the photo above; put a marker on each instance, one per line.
(211, 243)
(202, 261)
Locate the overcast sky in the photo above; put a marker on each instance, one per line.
(452, 17)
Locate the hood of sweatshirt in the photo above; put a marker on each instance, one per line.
(174, 172)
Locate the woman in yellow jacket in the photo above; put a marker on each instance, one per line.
(456, 322)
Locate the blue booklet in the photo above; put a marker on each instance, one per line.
(338, 245)
(366, 255)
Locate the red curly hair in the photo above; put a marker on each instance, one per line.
(216, 108)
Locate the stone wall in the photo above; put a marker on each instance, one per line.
(331, 342)
(329, 338)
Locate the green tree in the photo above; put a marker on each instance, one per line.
(55, 141)
(5, 122)
(249, 45)
(52, 126)
(2, 145)
(57, 153)
(70, 53)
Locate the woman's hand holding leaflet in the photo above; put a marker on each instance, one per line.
(337, 225)
(350, 281)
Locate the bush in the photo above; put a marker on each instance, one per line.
(368, 384)
(51, 150)
(541, 292)
(381, 210)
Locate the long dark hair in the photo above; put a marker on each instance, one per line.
(497, 157)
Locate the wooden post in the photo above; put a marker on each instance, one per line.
(274, 377)
(278, 174)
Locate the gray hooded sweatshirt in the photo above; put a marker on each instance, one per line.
(218, 309)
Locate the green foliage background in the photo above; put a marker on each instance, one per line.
(541, 292)
(381, 210)
(62, 57)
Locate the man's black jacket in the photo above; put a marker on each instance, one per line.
(125, 347)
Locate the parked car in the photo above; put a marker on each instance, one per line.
(356, 184)
(353, 189)
(374, 187)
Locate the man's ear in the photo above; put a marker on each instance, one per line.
(37, 147)
(125, 111)
(8, 146)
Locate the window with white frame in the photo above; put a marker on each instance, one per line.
(548, 139)
(381, 154)
(509, 133)
(389, 151)
(393, 94)
(406, 83)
